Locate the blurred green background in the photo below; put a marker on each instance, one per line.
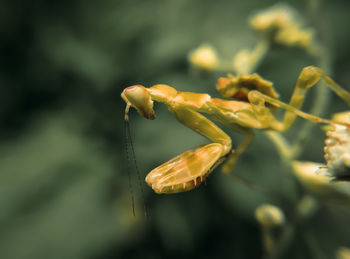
(64, 190)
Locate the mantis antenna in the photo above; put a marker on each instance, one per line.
(127, 138)
(129, 144)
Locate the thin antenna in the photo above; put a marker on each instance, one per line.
(129, 167)
(136, 167)
(129, 140)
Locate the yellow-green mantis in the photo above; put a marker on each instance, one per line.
(188, 170)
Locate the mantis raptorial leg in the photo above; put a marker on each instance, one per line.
(189, 169)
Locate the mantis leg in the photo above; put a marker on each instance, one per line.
(232, 158)
(307, 78)
(188, 170)
(270, 121)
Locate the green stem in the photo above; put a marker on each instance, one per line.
(259, 53)
(255, 57)
(281, 144)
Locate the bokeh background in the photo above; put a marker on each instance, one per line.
(64, 189)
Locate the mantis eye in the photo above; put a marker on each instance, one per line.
(138, 97)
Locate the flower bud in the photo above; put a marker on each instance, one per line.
(269, 215)
(204, 57)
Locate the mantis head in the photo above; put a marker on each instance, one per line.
(138, 97)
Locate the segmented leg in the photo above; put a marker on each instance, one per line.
(308, 77)
(233, 157)
(189, 169)
(289, 117)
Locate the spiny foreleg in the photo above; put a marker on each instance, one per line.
(189, 169)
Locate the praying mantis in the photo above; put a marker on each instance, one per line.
(252, 109)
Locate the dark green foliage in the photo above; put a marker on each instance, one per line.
(63, 181)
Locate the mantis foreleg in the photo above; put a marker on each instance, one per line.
(187, 170)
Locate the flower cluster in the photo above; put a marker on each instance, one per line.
(337, 148)
(281, 25)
